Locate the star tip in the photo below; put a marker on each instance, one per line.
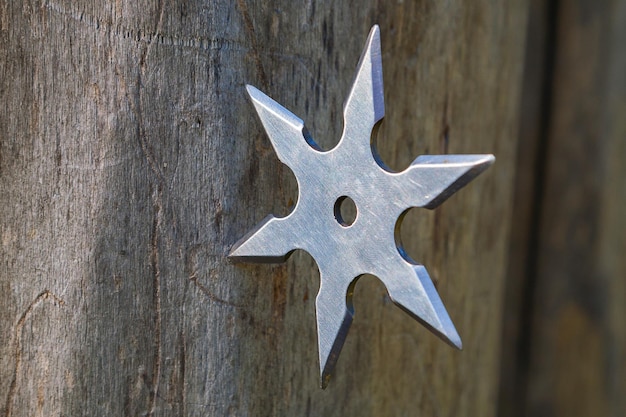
(374, 37)
(446, 331)
(233, 256)
(237, 252)
(480, 159)
(251, 89)
(255, 94)
(479, 163)
(458, 344)
(452, 338)
(324, 380)
(486, 161)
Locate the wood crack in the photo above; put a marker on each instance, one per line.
(156, 276)
(194, 279)
(191, 270)
(249, 25)
(157, 198)
(17, 341)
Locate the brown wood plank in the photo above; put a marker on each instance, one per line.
(577, 339)
(529, 177)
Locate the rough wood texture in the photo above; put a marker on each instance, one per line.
(564, 342)
(131, 161)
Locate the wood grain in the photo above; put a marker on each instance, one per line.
(527, 205)
(577, 362)
(131, 161)
(564, 342)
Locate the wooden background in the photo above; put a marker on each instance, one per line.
(564, 333)
(131, 161)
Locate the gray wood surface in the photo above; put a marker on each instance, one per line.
(131, 160)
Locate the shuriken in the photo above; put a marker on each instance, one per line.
(370, 245)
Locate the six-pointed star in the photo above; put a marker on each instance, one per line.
(370, 244)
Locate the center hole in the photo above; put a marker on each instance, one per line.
(345, 211)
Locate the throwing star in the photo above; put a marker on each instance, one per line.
(370, 245)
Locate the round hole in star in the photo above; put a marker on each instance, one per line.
(345, 211)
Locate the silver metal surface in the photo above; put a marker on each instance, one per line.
(370, 245)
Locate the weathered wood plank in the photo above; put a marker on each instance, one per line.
(131, 161)
(577, 362)
(529, 176)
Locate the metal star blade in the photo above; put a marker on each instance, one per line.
(370, 245)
